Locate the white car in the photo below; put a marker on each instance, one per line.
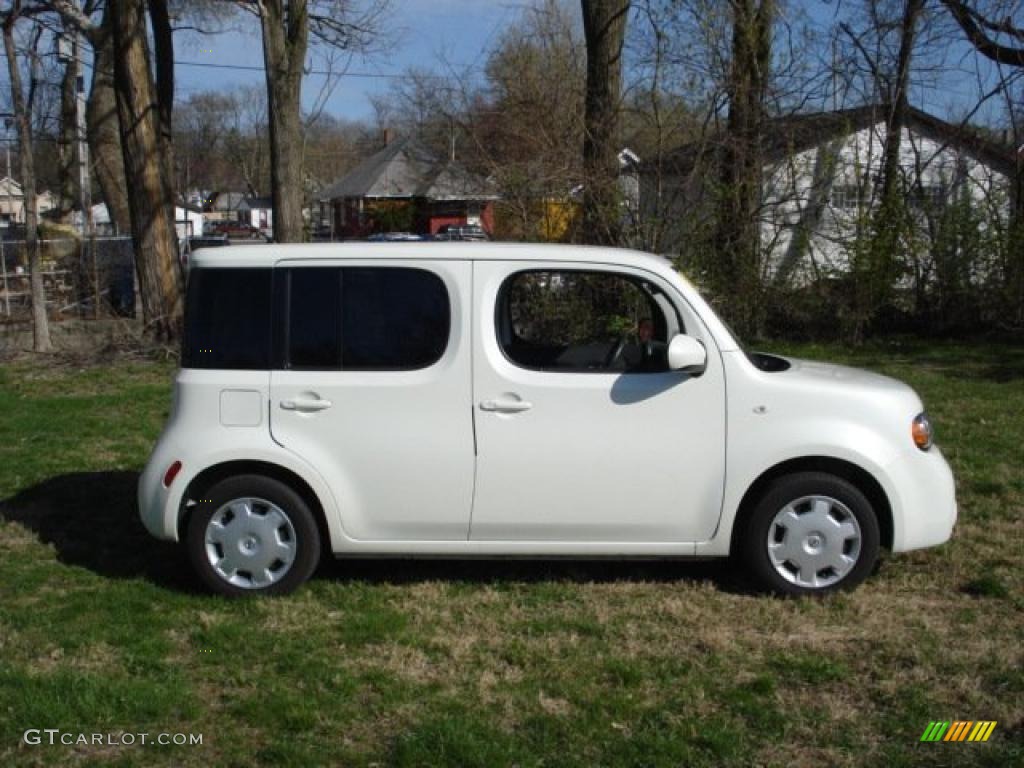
(482, 400)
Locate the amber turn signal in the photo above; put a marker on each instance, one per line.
(921, 431)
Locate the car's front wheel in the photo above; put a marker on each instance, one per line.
(810, 533)
(250, 535)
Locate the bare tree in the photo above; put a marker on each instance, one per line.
(150, 199)
(736, 270)
(604, 27)
(22, 108)
(997, 37)
(67, 152)
(286, 26)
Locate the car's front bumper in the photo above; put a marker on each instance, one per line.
(924, 507)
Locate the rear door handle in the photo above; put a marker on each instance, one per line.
(505, 406)
(305, 405)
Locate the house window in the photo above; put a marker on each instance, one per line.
(928, 197)
(848, 196)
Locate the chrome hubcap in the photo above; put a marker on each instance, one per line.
(250, 543)
(814, 541)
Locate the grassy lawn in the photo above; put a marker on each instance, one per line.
(444, 663)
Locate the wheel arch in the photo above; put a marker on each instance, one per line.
(217, 472)
(863, 480)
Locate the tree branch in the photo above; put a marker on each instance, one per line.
(970, 22)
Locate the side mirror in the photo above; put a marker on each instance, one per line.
(687, 354)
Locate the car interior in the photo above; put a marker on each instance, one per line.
(576, 321)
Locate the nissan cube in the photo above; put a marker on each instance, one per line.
(481, 400)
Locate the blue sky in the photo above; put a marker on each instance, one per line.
(461, 32)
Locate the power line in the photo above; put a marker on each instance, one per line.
(327, 72)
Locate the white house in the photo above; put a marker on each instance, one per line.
(822, 176)
(259, 212)
(188, 220)
(12, 202)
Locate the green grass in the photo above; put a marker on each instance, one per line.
(102, 630)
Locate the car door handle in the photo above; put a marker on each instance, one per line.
(505, 406)
(305, 405)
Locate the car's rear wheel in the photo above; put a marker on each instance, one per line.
(810, 533)
(250, 535)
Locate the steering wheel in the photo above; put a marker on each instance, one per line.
(616, 352)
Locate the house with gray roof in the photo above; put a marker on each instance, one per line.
(821, 178)
(406, 188)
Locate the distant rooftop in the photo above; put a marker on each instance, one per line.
(406, 168)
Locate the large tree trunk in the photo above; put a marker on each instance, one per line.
(149, 193)
(604, 26)
(163, 50)
(103, 127)
(40, 324)
(285, 36)
(67, 153)
(735, 268)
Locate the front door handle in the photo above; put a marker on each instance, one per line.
(306, 405)
(505, 406)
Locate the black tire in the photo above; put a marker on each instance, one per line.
(296, 511)
(753, 548)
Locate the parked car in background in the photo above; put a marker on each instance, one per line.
(462, 232)
(236, 230)
(396, 237)
(518, 401)
(208, 241)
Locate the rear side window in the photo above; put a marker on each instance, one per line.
(365, 318)
(227, 319)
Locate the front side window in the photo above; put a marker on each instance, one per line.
(365, 318)
(580, 321)
(227, 319)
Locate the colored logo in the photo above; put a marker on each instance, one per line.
(959, 730)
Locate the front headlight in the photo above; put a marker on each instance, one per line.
(921, 431)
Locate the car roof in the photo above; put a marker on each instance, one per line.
(272, 253)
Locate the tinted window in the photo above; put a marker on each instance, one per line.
(585, 321)
(314, 312)
(393, 318)
(366, 318)
(227, 319)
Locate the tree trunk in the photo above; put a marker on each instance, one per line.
(103, 128)
(163, 50)
(735, 268)
(890, 221)
(149, 193)
(67, 153)
(604, 27)
(40, 324)
(897, 116)
(285, 36)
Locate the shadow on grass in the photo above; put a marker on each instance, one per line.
(720, 572)
(91, 519)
